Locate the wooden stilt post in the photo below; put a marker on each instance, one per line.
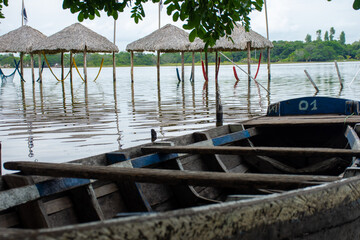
(32, 67)
(132, 66)
(249, 61)
(85, 70)
(40, 65)
(22, 64)
(114, 59)
(268, 49)
(158, 66)
(219, 112)
(114, 67)
(312, 82)
(193, 67)
(62, 65)
(206, 65)
(182, 67)
(71, 64)
(338, 73)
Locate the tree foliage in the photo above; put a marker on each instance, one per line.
(5, 2)
(209, 20)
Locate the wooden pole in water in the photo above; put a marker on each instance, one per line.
(132, 66)
(22, 64)
(182, 67)
(207, 65)
(32, 67)
(268, 49)
(114, 59)
(249, 61)
(158, 66)
(193, 67)
(338, 74)
(71, 64)
(62, 65)
(312, 82)
(40, 67)
(85, 70)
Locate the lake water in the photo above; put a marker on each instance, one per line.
(54, 123)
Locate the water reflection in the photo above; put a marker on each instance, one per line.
(42, 123)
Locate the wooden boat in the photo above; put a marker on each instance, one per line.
(291, 174)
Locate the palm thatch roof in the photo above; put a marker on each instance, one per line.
(169, 38)
(75, 38)
(21, 40)
(240, 39)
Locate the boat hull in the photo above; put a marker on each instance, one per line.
(329, 211)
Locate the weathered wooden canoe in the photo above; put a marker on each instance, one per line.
(289, 175)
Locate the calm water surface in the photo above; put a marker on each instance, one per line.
(55, 123)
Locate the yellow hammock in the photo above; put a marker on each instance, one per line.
(101, 65)
(48, 64)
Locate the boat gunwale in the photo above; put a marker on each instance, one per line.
(225, 208)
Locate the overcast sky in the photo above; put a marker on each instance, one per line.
(288, 20)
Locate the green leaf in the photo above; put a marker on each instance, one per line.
(81, 17)
(176, 16)
(192, 35)
(356, 4)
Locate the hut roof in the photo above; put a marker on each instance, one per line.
(75, 38)
(240, 39)
(22, 40)
(169, 38)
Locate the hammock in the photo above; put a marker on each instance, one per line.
(42, 68)
(48, 64)
(10, 77)
(77, 69)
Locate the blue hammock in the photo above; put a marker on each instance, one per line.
(10, 77)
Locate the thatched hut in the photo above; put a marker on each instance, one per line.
(75, 39)
(241, 40)
(169, 38)
(21, 40)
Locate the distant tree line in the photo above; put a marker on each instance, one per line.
(323, 48)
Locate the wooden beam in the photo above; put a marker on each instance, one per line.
(169, 177)
(265, 151)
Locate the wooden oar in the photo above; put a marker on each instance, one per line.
(264, 151)
(170, 177)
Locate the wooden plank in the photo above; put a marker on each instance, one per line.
(105, 189)
(265, 151)
(57, 205)
(171, 177)
(32, 214)
(302, 120)
(9, 220)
